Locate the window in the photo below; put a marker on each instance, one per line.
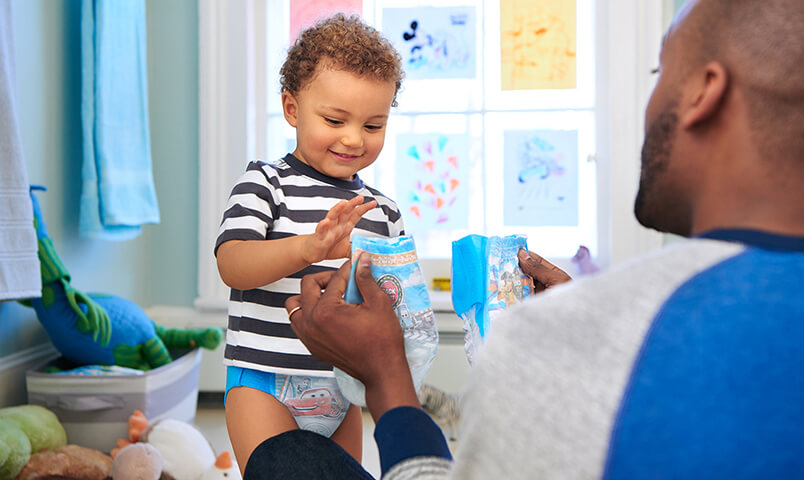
(596, 126)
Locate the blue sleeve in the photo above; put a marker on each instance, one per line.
(407, 432)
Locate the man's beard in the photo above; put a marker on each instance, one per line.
(656, 151)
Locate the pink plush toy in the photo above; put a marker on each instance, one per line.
(138, 461)
(583, 259)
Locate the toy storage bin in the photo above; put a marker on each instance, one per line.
(94, 410)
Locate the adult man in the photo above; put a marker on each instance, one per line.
(684, 364)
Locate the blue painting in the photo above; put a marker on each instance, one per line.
(435, 42)
(431, 181)
(541, 178)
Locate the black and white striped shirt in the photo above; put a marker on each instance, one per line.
(277, 200)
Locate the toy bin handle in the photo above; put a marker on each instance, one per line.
(78, 403)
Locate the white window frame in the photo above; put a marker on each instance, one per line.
(232, 89)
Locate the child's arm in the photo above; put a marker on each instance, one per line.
(247, 264)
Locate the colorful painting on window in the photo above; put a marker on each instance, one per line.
(541, 178)
(431, 181)
(538, 40)
(435, 42)
(305, 13)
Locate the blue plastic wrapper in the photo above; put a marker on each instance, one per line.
(486, 279)
(395, 267)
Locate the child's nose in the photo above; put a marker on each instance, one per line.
(352, 138)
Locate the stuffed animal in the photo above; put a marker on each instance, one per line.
(583, 260)
(69, 461)
(185, 452)
(138, 461)
(99, 329)
(26, 429)
(15, 450)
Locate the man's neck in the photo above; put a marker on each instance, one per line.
(779, 211)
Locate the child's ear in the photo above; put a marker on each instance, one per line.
(290, 108)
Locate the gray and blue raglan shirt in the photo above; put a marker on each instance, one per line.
(687, 363)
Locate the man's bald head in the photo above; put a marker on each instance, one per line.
(724, 139)
(761, 45)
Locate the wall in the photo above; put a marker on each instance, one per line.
(158, 267)
(173, 83)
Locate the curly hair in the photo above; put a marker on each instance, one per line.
(350, 45)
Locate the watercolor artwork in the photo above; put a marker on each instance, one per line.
(431, 181)
(305, 13)
(435, 42)
(540, 178)
(538, 44)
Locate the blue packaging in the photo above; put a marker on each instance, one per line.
(395, 267)
(486, 279)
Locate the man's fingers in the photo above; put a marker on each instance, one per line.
(530, 265)
(541, 270)
(337, 283)
(292, 302)
(311, 287)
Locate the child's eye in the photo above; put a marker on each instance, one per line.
(373, 127)
(332, 121)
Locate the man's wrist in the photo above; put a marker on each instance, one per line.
(393, 389)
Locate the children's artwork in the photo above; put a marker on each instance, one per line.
(538, 40)
(541, 178)
(305, 13)
(431, 181)
(435, 42)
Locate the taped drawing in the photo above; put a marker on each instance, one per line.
(305, 13)
(538, 44)
(540, 178)
(431, 181)
(435, 42)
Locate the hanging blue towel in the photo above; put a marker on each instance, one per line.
(118, 194)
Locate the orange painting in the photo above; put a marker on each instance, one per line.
(538, 43)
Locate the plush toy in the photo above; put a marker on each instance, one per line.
(583, 260)
(26, 429)
(101, 329)
(138, 461)
(15, 450)
(185, 452)
(69, 461)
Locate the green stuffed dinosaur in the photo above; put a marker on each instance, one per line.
(25, 430)
(100, 329)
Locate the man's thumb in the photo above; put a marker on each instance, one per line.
(532, 267)
(363, 276)
(365, 282)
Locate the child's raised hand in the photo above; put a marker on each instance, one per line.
(331, 237)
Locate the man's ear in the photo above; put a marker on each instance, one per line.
(707, 91)
(290, 108)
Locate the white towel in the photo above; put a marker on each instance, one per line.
(19, 265)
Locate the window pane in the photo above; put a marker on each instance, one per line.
(461, 155)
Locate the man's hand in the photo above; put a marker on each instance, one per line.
(363, 340)
(331, 237)
(544, 273)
